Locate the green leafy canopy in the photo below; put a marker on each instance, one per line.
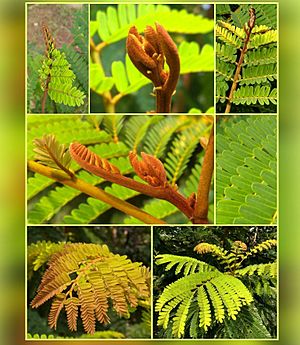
(205, 297)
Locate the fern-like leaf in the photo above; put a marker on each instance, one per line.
(183, 263)
(181, 315)
(259, 59)
(182, 148)
(57, 78)
(49, 152)
(212, 290)
(160, 134)
(246, 172)
(136, 129)
(266, 245)
(266, 270)
(71, 306)
(95, 275)
(39, 253)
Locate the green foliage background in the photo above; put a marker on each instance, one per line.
(133, 242)
(181, 241)
(194, 90)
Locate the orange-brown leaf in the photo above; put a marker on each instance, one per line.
(150, 169)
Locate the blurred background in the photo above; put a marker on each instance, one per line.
(12, 137)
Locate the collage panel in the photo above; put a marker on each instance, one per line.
(120, 169)
(152, 58)
(88, 282)
(246, 169)
(215, 282)
(57, 58)
(246, 58)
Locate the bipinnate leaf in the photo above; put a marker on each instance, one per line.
(208, 292)
(89, 279)
(247, 171)
(57, 77)
(49, 152)
(247, 78)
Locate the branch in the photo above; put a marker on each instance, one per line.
(149, 169)
(94, 192)
(202, 200)
(45, 94)
(236, 77)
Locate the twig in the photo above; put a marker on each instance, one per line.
(94, 192)
(150, 169)
(109, 102)
(236, 77)
(202, 201)
(45, 94)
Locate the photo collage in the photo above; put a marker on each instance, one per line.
(152, 170)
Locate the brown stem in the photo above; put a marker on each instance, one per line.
(202, 201)
(94, 192)
(45, 94)
(166, 192)
(236, 77)
(163, 102)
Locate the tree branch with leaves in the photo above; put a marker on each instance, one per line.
(53, 161)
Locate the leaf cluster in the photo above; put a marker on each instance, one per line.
(208, 299)
(62, 72)
(86, 277)
(256, 86)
